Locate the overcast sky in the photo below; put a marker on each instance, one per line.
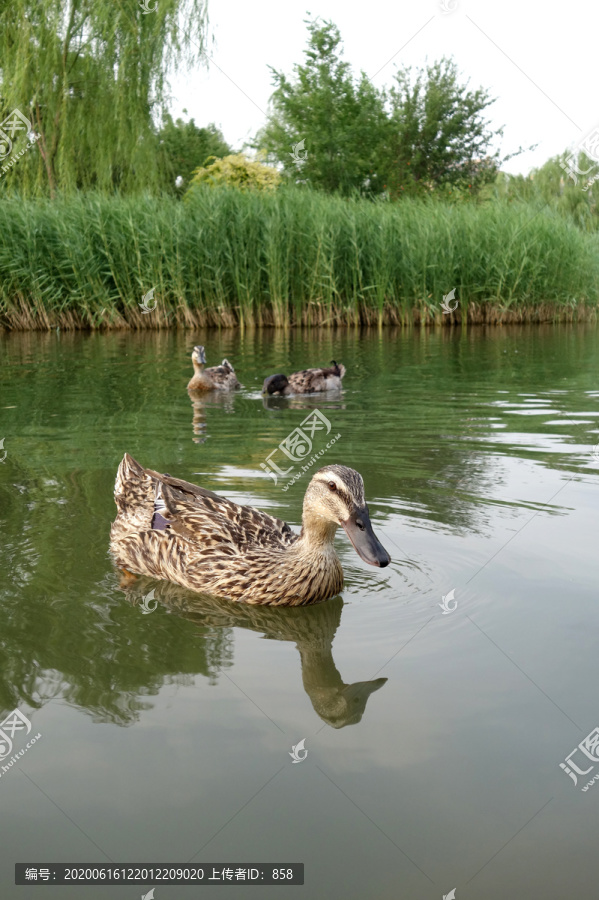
(539, 60)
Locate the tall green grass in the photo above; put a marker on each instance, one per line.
(290, 257)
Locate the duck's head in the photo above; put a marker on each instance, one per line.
(335, 495)
(345, 705)
(274, 383)
(198, 356)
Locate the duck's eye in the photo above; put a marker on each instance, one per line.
(360, 524)
(332, 486)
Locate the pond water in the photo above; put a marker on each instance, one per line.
(434, 728)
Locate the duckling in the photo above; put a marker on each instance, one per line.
(171, 529)
(218, 378)
(309, 381)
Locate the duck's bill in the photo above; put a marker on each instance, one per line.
(362, 689)
(366, 544)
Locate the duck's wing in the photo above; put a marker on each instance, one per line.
(207, 519)
(135, 487)
(306, 381)
(311, 381)
(223, 376)
(149, 500)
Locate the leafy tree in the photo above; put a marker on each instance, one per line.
(236, 171)
(439, 137)
(326, 126)
(90, 74)
(572, 195)
(339, 133)
(185, 147)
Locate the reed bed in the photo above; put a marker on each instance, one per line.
(294, 257)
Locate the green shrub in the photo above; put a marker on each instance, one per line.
(236, 171)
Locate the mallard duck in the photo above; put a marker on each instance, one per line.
(218, 378)
(309, 381)
(171, 529)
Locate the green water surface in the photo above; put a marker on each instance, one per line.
(434, 739)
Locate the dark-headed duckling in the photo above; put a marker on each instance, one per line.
(309, 381)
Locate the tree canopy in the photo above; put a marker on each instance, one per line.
(336, 131)
(185, 147)
(573, 196)
(91, 76)
(438, 136)
(336, 120)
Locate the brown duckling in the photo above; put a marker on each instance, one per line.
(217, 378)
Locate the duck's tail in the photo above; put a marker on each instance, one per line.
(134, 494)
(141, 493)
(131, 479)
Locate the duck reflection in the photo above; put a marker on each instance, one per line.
(324, 400)
(201, 401)
(311, 628)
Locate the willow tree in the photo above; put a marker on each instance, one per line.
(91, 76)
